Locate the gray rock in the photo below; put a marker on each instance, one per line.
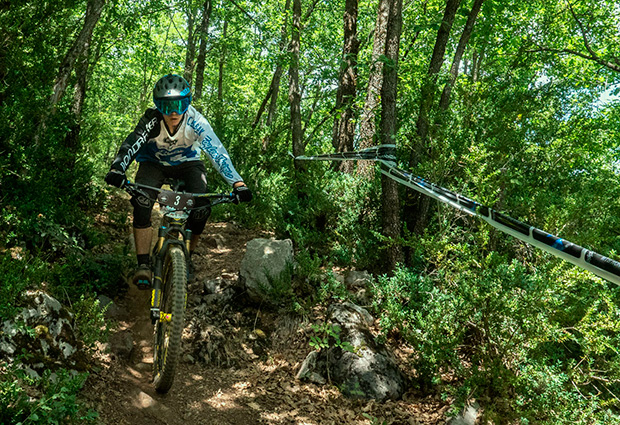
(47, 304)
(357, 279)
(213, 286)
(350, 315)
(216, 241)
(265, 269)
(369, 371)
(121, 344)
(307, 371)
(53, 343)
(468, 416)
(112, 311)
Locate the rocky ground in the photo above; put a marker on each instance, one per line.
(239, 363)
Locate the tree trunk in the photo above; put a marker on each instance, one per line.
(190, 50)
(458, 55)
(219, 114)
(294, 94)
(273, 105)
(428, 88)
(263, 104)
(202, 52)
(345, 125)
(390, 200)
(274, 87)
(375, 80)
(72, 139)
(81, 43)
(417, 206)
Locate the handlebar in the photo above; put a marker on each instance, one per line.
(179, 200)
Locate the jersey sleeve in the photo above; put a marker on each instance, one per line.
(135, 140)
(217, 153)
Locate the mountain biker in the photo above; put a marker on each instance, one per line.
(166, 143)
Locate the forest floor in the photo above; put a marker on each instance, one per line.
(250, 380)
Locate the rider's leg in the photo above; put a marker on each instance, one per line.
(194, 175)
(149, 174)
(143, 238)
(193, 242)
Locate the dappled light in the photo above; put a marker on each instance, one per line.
(310, 212)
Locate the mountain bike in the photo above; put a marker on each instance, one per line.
(170, 261)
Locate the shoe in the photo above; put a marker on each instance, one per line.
(143, 276)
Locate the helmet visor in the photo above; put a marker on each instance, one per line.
(168, 106)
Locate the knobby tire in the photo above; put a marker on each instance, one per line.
(168, 334)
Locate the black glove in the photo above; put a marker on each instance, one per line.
(116, 178)
(242, 194)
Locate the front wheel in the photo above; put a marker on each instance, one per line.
(169, 327)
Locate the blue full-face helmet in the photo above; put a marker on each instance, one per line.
(172, 94)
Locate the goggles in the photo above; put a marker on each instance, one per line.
(168, 106)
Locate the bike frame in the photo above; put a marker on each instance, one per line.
(171, 227)
(168, 234)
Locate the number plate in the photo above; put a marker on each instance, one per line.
(175, 200)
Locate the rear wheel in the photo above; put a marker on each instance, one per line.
(169, 328)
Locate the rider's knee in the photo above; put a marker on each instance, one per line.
(142, 207)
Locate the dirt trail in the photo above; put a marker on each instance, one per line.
(257, 385)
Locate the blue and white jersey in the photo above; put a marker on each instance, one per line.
(152, 142)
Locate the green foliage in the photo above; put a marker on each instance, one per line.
(55, 401)
(17, 275)
(94, 273)
(525, 132)
(327, 335)
(529, 342)
(89, 321)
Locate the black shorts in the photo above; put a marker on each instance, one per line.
(193, 173)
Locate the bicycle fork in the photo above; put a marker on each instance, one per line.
(159, 253)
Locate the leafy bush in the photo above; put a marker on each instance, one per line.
(51, 399)
(17, 275)
(534, 344)
(90, 322)
(86, 273)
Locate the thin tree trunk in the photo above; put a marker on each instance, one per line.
(428, 88)
(345, 125)
(375, 80)
(277, 76)
(417, 206)
(72, 139)
(294, 93)
(263, 105)
(274, 87)
(273, 105)
(220, 81)
(190, 51)
(458, 55)
(390, 198)
(80, 45)
(202, 52)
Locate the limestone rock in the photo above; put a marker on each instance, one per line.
(44, 329)
(265, 269)
(368, 371)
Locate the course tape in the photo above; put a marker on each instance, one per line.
(386, 155)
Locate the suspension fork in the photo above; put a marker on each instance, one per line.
(164, 241)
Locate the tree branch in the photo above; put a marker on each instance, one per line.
(593, 58)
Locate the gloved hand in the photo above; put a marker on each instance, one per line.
(242, 194)
(116, 178)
